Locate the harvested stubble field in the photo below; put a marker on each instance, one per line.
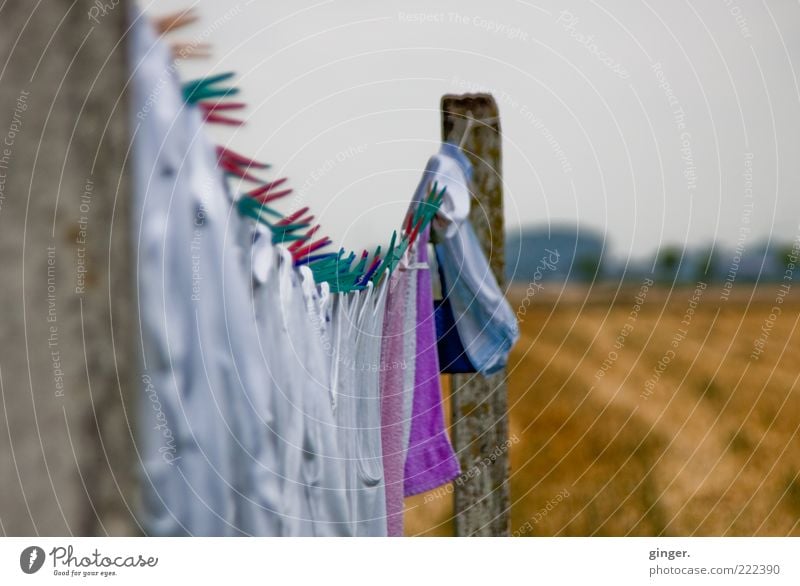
(654, 413)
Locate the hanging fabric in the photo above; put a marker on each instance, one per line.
(298, 389)
(199, 437)
(486, 325)
(452, 356)
(430, 460)
(395, 393)
(357, 323)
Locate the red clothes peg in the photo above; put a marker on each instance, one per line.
(306, 250)
(408, 220)
(259, 191)
(297, 244)
(238, 171)
(370, 271)
(212, 118)
(234, 157)
(414, 233)
(291, 218)
(219, 106)
(273, 196)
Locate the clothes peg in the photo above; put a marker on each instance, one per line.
(211, 80)
(359, 268)
(254, 209)
(201, 89)
(376, 261)
(287, 228)
(305, 250)
(349, 281)
(385, 265)
(344, 276)
(189, 50)
(293, 216)
(211, 112)
(266, 188)
(315, 258)
(212, 118)
(410, 217)
(307, 236)
(328, 271)
(283, 238)
(207, 93)
(368, 275)
(236, 171)
(220, 106)
(283, 234)
(175, 20)
(324, 263)
(413, 237)
(273, 196)
(234, 157)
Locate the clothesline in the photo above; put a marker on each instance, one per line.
(300, 391)
(330, 267)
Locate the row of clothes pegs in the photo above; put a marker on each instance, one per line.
(212, 96)
(330, 424)
(337, 269)
(350, 271)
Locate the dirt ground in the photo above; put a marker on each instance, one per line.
(651, 411)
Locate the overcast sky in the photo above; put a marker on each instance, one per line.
(653, 122)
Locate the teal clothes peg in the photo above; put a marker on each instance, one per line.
(328, 271)
(201, 89)
(345, 280)
(212, 79)
(200, 94)
(326, 261)
(281, 235)
(337, 271)
(362, 263)
(204, 82)
(254, 208)
(387, 260)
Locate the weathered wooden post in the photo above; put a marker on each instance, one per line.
(66, 336)
(480, 404)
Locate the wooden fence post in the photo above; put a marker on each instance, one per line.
(67, 353)
(480, 404)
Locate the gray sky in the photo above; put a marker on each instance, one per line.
(654, 122)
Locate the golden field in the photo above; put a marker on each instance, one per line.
(675, 412)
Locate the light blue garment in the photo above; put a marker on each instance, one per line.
(243, 440)
(206, 464)
(356, 326)
(484, 320)
(451, 168)
(324, 473)
(312, 485)
(165, 435)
